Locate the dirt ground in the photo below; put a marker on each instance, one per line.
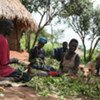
(27, 93)
(21, 93)
(19, 55)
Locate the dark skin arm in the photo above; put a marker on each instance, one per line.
(77, 62)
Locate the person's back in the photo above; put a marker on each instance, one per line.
(58, 53)
(97, 65)
(98, 59)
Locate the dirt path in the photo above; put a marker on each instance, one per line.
(21, 93)
(19, 55)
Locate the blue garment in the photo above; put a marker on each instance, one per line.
(18, 75)
(58, 53)
(42, 40)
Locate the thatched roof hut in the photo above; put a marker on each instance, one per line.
(23, 21)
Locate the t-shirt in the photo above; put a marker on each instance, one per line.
(70, 64)
(5, 69)
(59, 53)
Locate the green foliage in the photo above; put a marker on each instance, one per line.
(75, 7)
(27, 4)
(23, 42)
(47, 9)
(49, 48)
(96, 21)
(85, 21)
(64, 86)
(35, 5)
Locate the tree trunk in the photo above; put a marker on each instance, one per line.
(27, 46)
(83, 42)
(93, 49)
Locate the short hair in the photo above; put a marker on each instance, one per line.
(65, 42)
(4, 23)
(73, 40)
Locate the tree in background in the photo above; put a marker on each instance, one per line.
(85, 21)
(47, 9)
(55, 36)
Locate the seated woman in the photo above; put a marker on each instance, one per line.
(6, 28)
(37, 57)
(71, 60)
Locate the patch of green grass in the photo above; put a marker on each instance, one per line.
(64, 86)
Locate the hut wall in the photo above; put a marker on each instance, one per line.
(14, 41)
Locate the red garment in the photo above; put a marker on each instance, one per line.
(5, 70)
(55, 73)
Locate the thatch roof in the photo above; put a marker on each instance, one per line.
(14, 10)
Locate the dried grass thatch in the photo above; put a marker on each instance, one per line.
(14, 10)
(23, 21)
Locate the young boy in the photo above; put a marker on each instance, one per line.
(59, 52)
(71, 60)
